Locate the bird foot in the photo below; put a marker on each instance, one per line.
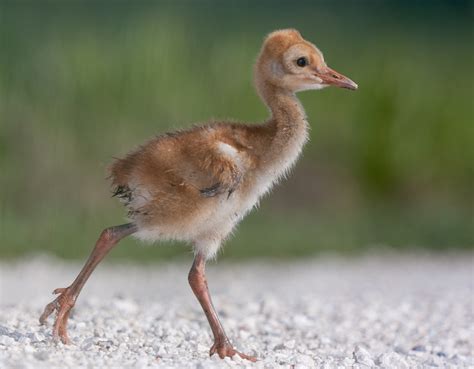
(226, 350)
(63, 305)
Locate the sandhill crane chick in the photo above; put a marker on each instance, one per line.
(196, 185)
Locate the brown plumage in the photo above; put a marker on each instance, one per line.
(195, 185)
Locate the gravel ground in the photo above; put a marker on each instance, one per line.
(387, 312)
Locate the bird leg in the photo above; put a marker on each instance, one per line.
(68, 296)
(198, 282)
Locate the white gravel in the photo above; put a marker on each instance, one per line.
(387, 312)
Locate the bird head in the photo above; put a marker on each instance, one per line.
(289, 62)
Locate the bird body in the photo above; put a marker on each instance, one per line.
(195, 185)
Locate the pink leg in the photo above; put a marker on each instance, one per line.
(198, 282)
(68, 296)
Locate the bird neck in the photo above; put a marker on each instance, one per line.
(288, 124)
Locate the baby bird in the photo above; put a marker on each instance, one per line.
(196, 185)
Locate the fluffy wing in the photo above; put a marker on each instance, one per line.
(220, 168)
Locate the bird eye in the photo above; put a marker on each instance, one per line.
(302, 62)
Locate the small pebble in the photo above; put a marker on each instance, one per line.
(420, 348)
(41, 355)
(362, 356)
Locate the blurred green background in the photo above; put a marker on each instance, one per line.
(389, 166)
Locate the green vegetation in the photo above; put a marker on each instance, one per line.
(391, 164)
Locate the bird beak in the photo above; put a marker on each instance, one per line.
(333, 78)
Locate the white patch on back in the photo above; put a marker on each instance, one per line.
(228, 150)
